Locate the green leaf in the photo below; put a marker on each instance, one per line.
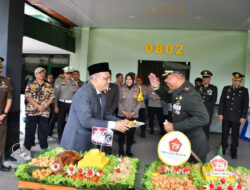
(33, 168)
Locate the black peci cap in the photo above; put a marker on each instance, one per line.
(98, 67)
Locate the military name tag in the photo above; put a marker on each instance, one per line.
(176, 109)
(209, 92)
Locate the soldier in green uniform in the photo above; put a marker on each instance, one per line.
(208, 94)
(5, 104)
(189, 112)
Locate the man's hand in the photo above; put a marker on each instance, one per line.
(2, 117)
(56, 110)
(168, 126)
(242, 121)
(130, 115)
(121, 126)
(41, 108)
(153, 80)
(220, 117)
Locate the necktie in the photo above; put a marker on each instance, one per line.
(106, 92)
(100, 97)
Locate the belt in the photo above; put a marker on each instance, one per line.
(65, 101)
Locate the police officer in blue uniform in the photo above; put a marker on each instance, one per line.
(208, 94)
(233, 110)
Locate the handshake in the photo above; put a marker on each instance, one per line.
(122, 125)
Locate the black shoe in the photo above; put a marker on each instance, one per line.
(5, 169)
(151, 132)
(234, 156)
(121, 153)
(143, 135)
(223, 152)
(129, 154)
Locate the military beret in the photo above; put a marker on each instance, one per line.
(172, 67)
(237, 76)
(140, 77)
(98, 67)
(206, 73)
(68, 69)
(1, 60)
(39, 69)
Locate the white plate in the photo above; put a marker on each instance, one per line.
(138, 125)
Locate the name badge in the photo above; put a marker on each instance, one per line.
(176, 109)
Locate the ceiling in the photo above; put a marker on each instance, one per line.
(167, 14)
(177, 14)
(37, 47)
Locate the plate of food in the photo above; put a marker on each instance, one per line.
(135, 123)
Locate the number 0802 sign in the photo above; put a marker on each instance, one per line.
(174, 148)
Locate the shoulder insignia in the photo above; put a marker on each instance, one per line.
(187, 88)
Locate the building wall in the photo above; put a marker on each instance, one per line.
(222, 52)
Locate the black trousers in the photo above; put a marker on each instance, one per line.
(61, 116)
(152, 111)
(52, 120)
(142, 118)
(32, 122)
(226, 125)
(130, 138)
(206, 128)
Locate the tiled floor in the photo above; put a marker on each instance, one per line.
(146, 151)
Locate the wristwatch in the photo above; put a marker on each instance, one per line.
(5, 113)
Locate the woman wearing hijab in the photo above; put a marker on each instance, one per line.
(128, 109)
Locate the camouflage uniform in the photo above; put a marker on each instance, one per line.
(40, 94)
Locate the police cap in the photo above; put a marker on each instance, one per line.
(237, 76)
(172, 67)
(206, 73)
(68, 70)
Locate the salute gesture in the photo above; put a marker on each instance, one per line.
(153, 80)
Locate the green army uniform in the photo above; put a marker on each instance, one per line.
(189, 113)
(5, 93)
